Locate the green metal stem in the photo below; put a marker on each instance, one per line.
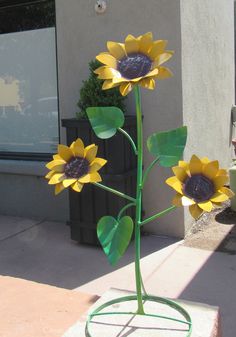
(151, 218)
(138, 278)
(124, 209)
(120, 194)
(130, 140)
(149, 169)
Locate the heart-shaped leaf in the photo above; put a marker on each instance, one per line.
(105, 120)
(168, 146)
(115, 236)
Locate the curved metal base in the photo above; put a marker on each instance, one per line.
(98, 311)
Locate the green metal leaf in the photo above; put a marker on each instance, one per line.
(115, 236)
(105, 120)
(168, 146)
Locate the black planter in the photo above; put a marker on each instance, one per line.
(88, 207)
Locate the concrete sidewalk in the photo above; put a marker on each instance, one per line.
(42, 252)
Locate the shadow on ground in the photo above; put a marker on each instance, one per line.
(43, 252)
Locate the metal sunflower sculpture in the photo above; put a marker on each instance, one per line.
(199, 184)
(136, 61)
(74, 166)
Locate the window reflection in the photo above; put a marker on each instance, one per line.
(21, 17)
(28, 86)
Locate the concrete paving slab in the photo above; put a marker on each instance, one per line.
(10, 226)
(205, 320)
(199, 275)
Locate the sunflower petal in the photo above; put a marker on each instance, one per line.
(205, 160)
(183, 164)
(195, 165)
(85, 179)
(54, 164)
(77, 187)
(109, 84)
(163, 73)
(107, 59)
(116, 49)
(148, 83)
(65, 152)
(78, 148)
(58, 167)
(162, 58)
(157, 48)
(95, 177)
(175, 184)
(219, 197)
(180, 173)
(59, 188)
(222, 172)
(131, 44)
(120, 80)
(125, 88)
(56, 157)
(68, 181)
(210, 169)
(99, 70)
(90, 178)
(107, 73)
(227, 191)
(145, 43)
(49, 175)
(177, 200)
(195, 211)
(206, 205)
(220, 181)
(56, 178)
(97, 164)
(152, 73)
(90, 152)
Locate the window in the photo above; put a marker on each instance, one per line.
(28, 80)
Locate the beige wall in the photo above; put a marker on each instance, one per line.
(200, 93)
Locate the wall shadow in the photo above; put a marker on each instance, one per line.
(45, 254)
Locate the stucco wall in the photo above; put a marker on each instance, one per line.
(82, 34)
(207, 31)
(27, 195)
(25, 192)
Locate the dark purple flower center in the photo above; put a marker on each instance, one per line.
(199, 188)
(76, 167)
(134, 65)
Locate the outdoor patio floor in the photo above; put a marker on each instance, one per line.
(42, 252)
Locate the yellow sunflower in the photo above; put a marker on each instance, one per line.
(137, 61)
(74, 166)
(200, 185)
